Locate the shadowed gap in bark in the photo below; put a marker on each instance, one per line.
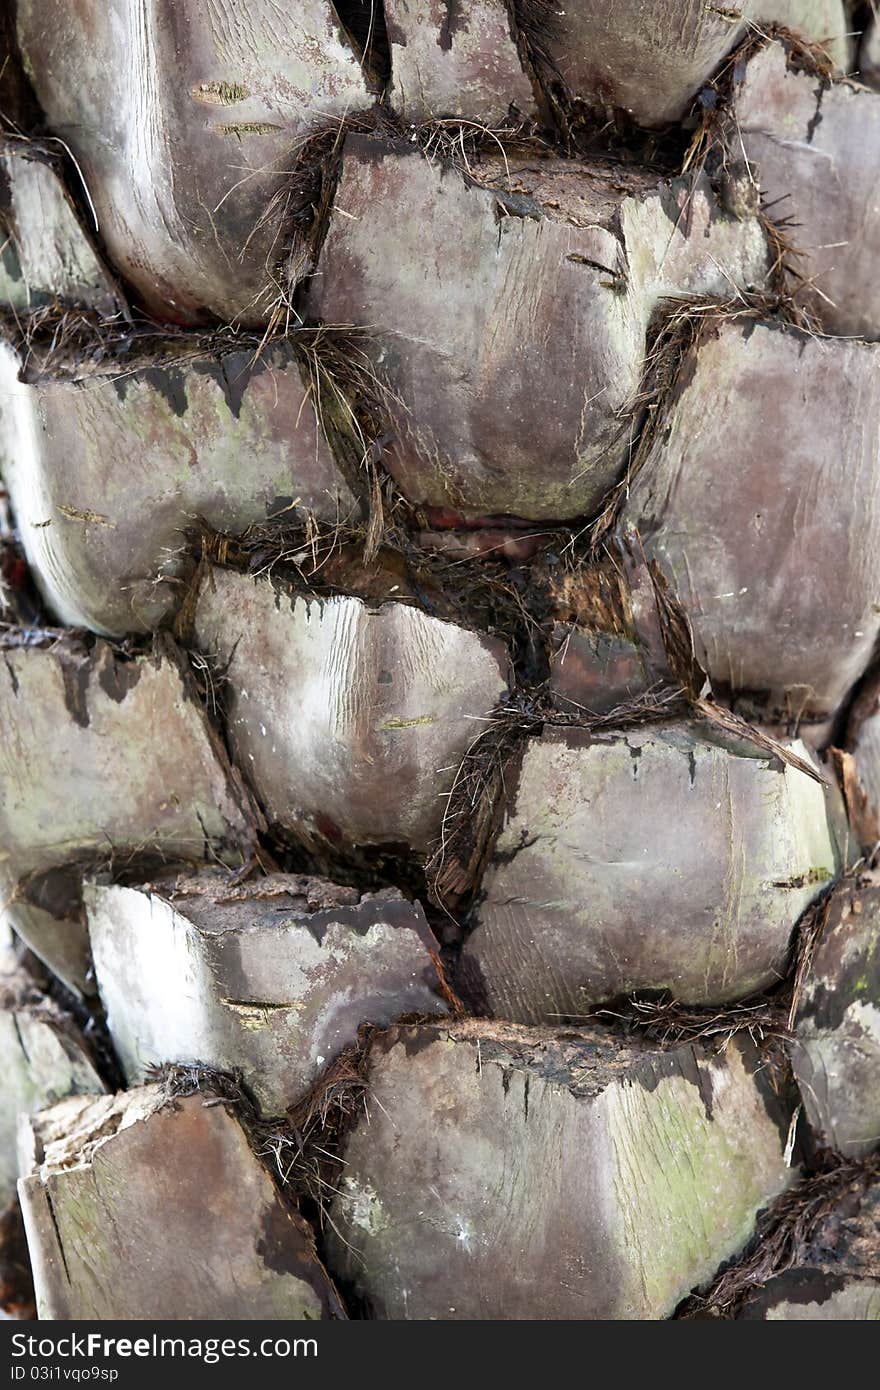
(364, 24)
(16, 1281)
(302, 1149)
(19, 109)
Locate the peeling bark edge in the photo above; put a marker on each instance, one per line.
(274, 1247)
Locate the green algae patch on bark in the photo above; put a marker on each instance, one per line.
(520, 1173)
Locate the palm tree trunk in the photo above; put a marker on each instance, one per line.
(439, 683)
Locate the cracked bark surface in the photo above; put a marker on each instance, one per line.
(836, 1048)
(261, 984)
(766, 527)
(459, 60)
(650, 59)
(813, 147)
(46, 252)
(186, 120)
(102, 758)
(483, 394)
(42, 1059)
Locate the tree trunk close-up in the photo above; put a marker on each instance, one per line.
(439, 660)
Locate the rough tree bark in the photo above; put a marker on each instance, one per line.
(47, 252)
(836, 1048)
(775, 561)
(513, 1173)
(102, 758)
(221, 1240)
(349, 722)
(274, 982)
(529, 265)
(790, 128)
(569, 915)
(207, 438)
(834, 1274)
(160, 103)
(42, 1059)
(439, 660)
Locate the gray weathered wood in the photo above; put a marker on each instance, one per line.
(814, 152)
(456, 62)
(756, 501)
(108, 469)
(272, 979)
(103, 759)
(651, 57)
(41, 1060)
(349, 721)
(47, 254)
(186, 121)
(542, 276)
(816, 1295)
(135, 1209)
(835, 1052)
(651, 859)
(510, 1173)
